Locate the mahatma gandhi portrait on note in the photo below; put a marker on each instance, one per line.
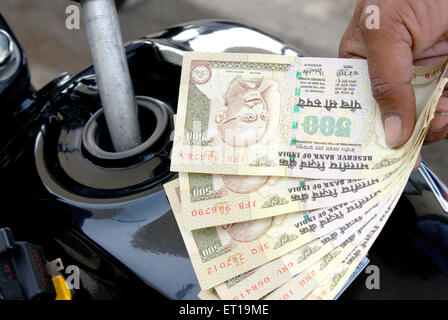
(249, 230)
(253, 230)
(244, 118)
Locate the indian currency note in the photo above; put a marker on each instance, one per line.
(302, 284)
(314, 223)
(414, 159)
(329, 289)
(252, 114)
(254, 287)
(359, 268)
(257, 283)
(224, 206)
(218, 199)
(309, 286)
(210, 200)
(221, 253)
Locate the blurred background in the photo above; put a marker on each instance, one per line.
(313, 26)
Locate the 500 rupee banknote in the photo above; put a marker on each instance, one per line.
(210, 200)
(270, 115)
(307, 280)
(257, 283)
(223, 252)
(313, 285)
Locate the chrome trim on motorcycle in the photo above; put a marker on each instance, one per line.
(214, 36)
(437, 186)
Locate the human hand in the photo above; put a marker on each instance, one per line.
(410, 32)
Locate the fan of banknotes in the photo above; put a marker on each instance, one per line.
(285, 178)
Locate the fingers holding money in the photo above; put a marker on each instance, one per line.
(390, 73)
(439, 125)
(408, 32)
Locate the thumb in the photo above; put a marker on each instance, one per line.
(389, 57)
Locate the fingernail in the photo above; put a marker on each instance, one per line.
(440, 121)
(393, 130)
